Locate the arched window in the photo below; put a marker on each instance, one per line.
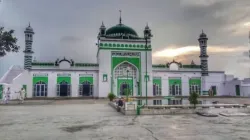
(124, 70)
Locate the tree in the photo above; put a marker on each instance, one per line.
(193, 99)
(7, 42)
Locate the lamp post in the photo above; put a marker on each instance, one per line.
(146, 49)
(127, 90)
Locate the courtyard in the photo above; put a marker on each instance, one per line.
(96, 120)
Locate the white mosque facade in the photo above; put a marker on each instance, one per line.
(124, 61)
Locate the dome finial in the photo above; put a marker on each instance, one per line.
(29, 24)
(120, 16)
(202, 31)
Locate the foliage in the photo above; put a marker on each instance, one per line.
(7, 42)
(127, 93)
(193, 99)
(111, 96)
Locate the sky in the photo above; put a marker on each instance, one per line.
(69, 28)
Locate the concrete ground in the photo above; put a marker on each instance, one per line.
(95, 120)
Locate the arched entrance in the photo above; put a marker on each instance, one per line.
(86, 89)
(125, 79)
(40, 89)
(123, 88)
(63, 89)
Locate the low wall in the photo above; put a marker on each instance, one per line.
(185, 109)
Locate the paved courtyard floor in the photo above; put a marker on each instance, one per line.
(95, 120)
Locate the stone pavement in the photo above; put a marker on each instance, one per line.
(95, 120)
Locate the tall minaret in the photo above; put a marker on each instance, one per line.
(28, 47)
(203, 53)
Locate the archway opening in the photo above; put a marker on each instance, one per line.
(40, 89)
(86, 89)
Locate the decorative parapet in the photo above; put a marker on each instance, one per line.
(182, 66)
(160, 66)
(50, 64)
(43, 64)
(124, 46)
(86, 65)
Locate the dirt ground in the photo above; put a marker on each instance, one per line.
(95, 120)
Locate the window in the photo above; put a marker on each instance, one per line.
(194, 88)
(40, 89)
(156, 90)
(85, 89)
(121, 70)
(175, 90)
(105, 78)
(175, 102)
(157, 102)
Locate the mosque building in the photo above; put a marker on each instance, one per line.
(124, 61)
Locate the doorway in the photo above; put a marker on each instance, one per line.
(63, 89)
(86, 89)
(237, 88)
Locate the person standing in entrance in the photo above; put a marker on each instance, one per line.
(7, 96)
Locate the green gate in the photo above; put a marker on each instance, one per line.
(1, 91)
(237, 88)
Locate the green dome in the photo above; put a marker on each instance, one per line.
(121, 31)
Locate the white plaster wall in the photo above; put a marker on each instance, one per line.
(104, 68)
(25, 78)
(149, 71)
(245, 90)
(229, 88)
(216, 79)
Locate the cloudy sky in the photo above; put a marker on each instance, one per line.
(70, 27)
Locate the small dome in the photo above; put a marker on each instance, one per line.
(29, 29)
(121, 31)
(203, 35)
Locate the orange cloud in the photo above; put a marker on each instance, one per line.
(178, 51)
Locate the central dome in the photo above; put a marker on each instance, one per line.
(121, 31)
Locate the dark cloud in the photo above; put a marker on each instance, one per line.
(70, 28)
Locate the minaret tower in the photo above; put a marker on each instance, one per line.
(203, 53)
(28, 47)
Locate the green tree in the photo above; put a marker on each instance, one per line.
(193, 99)
(7, 42)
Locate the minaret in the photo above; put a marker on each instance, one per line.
(203, 53)
(102, 30)
(28, 47)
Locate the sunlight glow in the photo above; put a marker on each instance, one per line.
(177, 51)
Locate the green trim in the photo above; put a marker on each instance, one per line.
(89, 79)
(125, 49)
(25, 88)
(172, 81)
(43, 64)
(129, 81)
(157, 81)
(104, 77)
(1, 91)
(42, 78)
(194, 81)
(160, 66)
(86, 65)
(61, 79)
(118, 60)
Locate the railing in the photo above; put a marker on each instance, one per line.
(197, 106)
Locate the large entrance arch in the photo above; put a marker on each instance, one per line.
(126, 79)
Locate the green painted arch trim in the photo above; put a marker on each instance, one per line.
(38, 79)
(157, 81)
(119, 60)
(61, 79)
(89, 79)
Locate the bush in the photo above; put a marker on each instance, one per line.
(111, 96)
(193, 99)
